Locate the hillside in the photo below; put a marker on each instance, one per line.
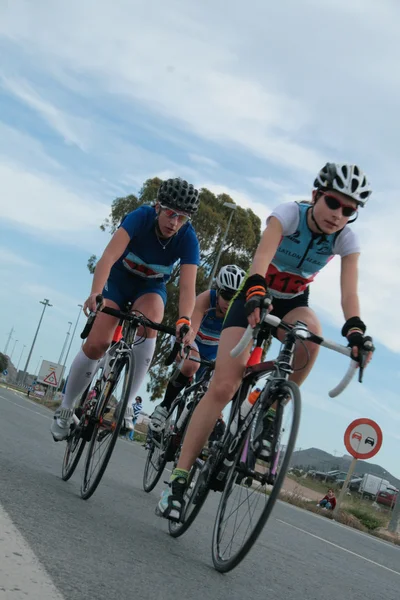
(313, 458)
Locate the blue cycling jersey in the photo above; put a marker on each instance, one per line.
(148, 257)
(207, 337)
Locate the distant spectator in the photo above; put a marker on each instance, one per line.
(329, 501)
(137, 409)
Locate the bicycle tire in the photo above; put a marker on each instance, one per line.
(166, 440)
(75, 446)
(68, 469)
(176, 529)
(88, 490)
(224, 566)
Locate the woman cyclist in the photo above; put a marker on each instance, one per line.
(207, 320)
(135, 266)
(299, 240)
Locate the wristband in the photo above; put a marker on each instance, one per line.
(353, 325)
(184, 321)
(253, 280)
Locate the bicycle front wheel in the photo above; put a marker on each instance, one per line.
(246, 501)
(76, 440)
(106, 427)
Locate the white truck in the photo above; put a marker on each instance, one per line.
(371, 485)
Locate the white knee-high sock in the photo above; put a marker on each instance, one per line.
(143, 353)
(80, 375)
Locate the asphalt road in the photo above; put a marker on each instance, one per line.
(113, 546)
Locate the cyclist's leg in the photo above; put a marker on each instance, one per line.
(305, 355)
(82, 370)
(295, 309)
(151, 304)
(174, 387)
(224, 383)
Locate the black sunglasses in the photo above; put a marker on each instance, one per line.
(226, 294)
(333, 203)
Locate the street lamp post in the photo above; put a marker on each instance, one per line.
(45, 303)
(73, 333)
(11, 355)
(233, 207)
(8, 340)
(20, 356)
(37, 366)
(65, 343)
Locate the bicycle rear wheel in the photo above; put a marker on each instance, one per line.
(245, 508)
(196, 494)
(106, 428)
(159, 452)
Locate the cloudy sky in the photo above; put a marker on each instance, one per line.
(95, 97)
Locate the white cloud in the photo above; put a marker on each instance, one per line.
(9, 258)
(71, 129)
(200, 86)
(200, 89)
(244, 199)
(39, 203)
(267, 184)
(203, 160)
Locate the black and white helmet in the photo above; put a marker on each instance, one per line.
(344, 178)
(178, 194)
(230, 278)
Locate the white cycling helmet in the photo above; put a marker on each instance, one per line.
(230, 278)
(344, 178)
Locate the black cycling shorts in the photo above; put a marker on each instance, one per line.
(236, 315)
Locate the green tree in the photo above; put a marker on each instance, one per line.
(3, 362)
(210, 224)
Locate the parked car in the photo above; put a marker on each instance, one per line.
(326, 476)
(353, 485)
(388, 497)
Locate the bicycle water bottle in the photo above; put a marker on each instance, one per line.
(245, 409)
(108, 363)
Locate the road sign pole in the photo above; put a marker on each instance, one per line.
(345, 486)
(394, 521)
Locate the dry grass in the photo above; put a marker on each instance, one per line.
(354, 513)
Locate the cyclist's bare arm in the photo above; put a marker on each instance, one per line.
(200, 308)
(113, 251)
(267, 247)
(187, 294)
(349, 286)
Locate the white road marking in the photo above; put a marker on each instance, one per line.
(339, 547)
(25, 407)
(22, 576)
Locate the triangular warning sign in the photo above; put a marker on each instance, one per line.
(51, 378)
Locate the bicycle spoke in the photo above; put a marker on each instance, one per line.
(243, 511)
(106, 429)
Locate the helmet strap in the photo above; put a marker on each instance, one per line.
(314, 220)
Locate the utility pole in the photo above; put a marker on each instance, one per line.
(394, 521)
(45, 303)
(73, 333)
(19, 360)
(15, 343)
(37, 366)
(65, 343)
(233, 207)
(9, 340)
